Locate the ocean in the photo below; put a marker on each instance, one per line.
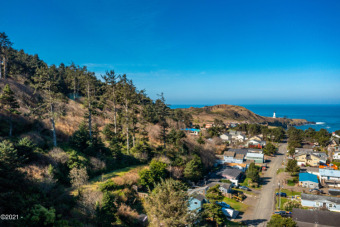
(325, 116)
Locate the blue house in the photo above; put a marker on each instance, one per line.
(196, 202)
(192, 130)
(308, 180)
(318, 201)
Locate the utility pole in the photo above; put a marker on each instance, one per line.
(279, 203)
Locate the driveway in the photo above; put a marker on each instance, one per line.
(265, 204)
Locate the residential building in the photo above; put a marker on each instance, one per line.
(237, 136)
(226, 137)
(225, 188)
(319, 201)
(311, 170)
(336, 156)
(308, 180)
(256, 143)
(196, 202)
(258, 158)
(315, 218)
(330, 177)
(310, 158)
(231, 174)
(193, 131)
(233, 157)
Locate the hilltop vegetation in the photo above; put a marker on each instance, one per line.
(238, 114)
(61, 127)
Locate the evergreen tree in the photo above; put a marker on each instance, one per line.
(9, 103)
(51, 106)
(5, 47)
(111, 93)
(194, 169)
(167, 205)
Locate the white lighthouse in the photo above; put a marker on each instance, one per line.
(274, 115)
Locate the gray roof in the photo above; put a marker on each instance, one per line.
(223, 185)
(309, 169)
(321, 217)
(312, 197)
(230, 172)
(239, 151)
(199, 197)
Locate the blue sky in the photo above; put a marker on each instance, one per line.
(196, 52)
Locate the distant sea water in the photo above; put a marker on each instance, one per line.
(325, 116)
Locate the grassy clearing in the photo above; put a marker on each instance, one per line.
(281, 170)
(236, 205)
(96, 182)
(283, 201)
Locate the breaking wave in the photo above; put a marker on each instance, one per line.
(320, 123)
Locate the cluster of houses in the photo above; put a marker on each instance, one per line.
(198, 194)
(241, 158)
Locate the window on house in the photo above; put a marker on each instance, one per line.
(195, 202)
(318, 204)
(330, 205)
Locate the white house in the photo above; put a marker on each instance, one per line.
(336, 156)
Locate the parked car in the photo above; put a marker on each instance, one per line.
(282, 194)
(283, 213)
(315, 190)
(223, 204)
(244, 188)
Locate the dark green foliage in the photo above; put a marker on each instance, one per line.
(109, 185)
(269, 149)
(76, 160)
(156, 172)
(9, 104)
(106, 214)
(292, 166)
(194, 169)
(213, 214)
(26, 148)
(214, 193)
(253, 172)
(41, 216)
(278, 221)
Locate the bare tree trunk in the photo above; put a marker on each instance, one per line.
(90, 124)
(74, 89)
(10, 127)
(127, 126)
(5, 63)
(115, 116)
(54, 132)
(89, 107)
(0, 69)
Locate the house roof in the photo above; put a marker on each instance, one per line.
(229, 153)
(309, 169)
(223, 185)
(308, 177)
(254, 155)
(312, 197)
(239, 151)
(239, 156)
(321, 217)
(199, 197)
(329, 172)
(230, 172)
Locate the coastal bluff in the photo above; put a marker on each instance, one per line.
(238, 114)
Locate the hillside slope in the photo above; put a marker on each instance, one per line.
(232, 113)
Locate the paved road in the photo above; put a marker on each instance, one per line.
(265, 204)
